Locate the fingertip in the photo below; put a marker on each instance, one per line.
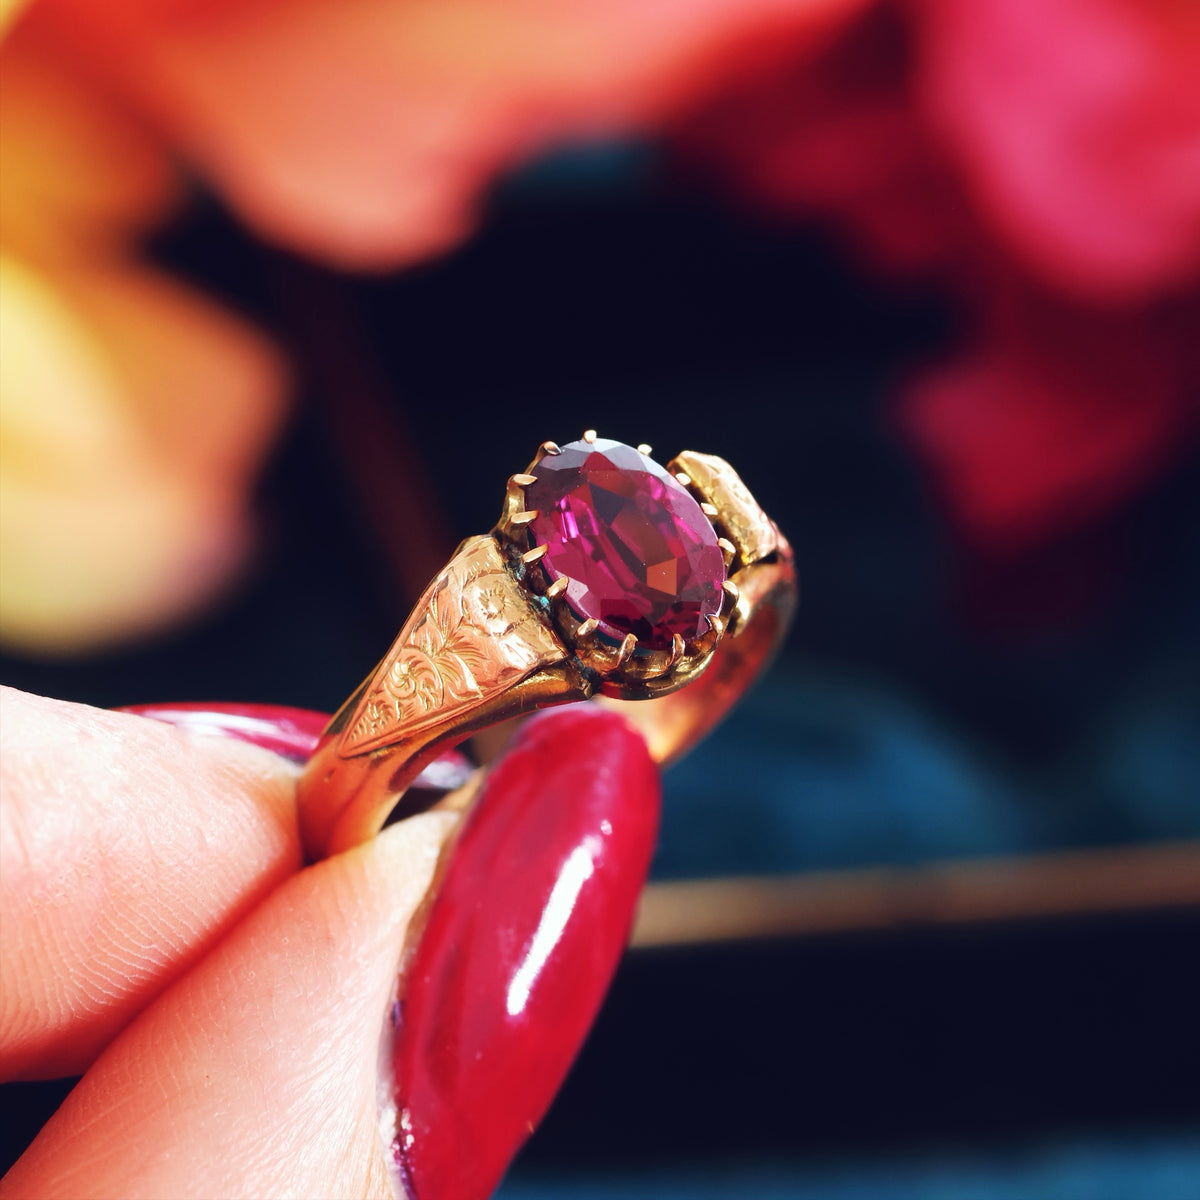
(257, 1073)
(127, 848)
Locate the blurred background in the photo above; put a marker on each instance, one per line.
(288, 289)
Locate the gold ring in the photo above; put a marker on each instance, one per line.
(661, 590)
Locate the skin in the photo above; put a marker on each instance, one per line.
(224, 1005)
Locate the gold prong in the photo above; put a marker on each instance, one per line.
(551, 448)
(683, 479)
(522, 480)
(735, 608)
(532, 556)
(728, 549)
(627, 648)
(709, 510)
(523, 518)
(717, 625)
(557, 588)
(588, 628)
(676, 648)
(589, 436)
(645, 448)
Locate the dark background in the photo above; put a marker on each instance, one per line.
(932, 703)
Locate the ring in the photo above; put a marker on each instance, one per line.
(661, 590)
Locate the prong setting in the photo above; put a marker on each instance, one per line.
(620, 664)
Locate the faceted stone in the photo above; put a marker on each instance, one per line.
(639, 555)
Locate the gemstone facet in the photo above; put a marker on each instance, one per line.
(638, 553)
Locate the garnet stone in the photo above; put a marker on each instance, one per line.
(639, 554)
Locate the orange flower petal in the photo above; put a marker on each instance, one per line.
(8, 12)
(366, 131)
(76, 176)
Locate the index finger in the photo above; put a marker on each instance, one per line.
(127, 849)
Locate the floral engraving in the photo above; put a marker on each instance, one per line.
(471, 635)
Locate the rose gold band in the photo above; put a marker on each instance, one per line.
(481, 647)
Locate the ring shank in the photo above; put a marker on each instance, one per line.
(673, 724)
(345, 798)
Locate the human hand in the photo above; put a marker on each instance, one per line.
(228, 1006)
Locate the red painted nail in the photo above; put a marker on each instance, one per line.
(291, 732)
(528, 925)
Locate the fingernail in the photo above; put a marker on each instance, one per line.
(290, 732)
(530, 920)
(294, 733)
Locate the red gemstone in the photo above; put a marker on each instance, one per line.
(639, 555)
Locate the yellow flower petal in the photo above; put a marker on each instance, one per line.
(133, 416)
(367, 131)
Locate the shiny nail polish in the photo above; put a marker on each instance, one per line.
(293, 733)
(532, 914)
(290, 732)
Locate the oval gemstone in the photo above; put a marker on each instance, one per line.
(639, 555)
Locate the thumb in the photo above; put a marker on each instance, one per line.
(256, 1074)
